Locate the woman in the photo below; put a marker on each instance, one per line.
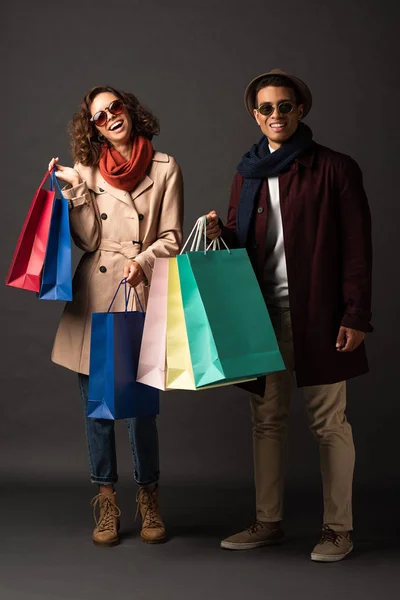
(126, 209)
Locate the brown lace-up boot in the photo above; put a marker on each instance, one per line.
(107, 524)
(153, 529)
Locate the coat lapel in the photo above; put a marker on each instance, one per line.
(128, 198)
(101, 185)
(144, 185)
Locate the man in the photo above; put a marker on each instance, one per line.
(301, 211)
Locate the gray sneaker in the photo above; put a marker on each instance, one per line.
(259, 534)
(332, 546)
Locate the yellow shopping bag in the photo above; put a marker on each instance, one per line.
(179, 365)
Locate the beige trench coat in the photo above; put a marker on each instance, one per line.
(108, 224)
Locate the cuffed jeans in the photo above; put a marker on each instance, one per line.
(325, 406)
(100, 438)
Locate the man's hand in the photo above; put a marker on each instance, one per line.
(213, 229)
(133, 273)
(349, 339)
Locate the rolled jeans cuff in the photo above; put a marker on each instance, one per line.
(103, 480)
(149, 482)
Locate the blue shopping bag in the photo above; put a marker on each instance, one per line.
(114, 356)
(56, 281)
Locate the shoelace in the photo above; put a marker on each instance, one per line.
(111, 512)
(328, 535)
(256, 526)
(148, 499)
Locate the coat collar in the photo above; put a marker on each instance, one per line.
(101, 185)
(98, 184)
(147, 182)
(144, 185)
(307, 158)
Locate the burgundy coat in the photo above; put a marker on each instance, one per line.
(327, 237)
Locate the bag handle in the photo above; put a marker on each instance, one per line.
(199, 233)
(44, 180)
(214, 245)
(55, 183)
(201, 224)
(196, 234)
(127, 296)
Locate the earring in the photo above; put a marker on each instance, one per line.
(101, 138)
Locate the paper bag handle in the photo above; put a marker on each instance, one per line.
(127, 296)
(198, 233)
(55, 183)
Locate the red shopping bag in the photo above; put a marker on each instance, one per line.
(27, 262)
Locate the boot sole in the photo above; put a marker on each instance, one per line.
(160, 541)
(251, 545)
(106, 544)
(326, 558)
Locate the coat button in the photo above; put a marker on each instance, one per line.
(141, 217)
(103, 269)
(103, 216)
(260, 209)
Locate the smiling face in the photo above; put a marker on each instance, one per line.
(117, 129)
(277, 127)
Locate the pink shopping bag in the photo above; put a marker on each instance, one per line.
(152, 359)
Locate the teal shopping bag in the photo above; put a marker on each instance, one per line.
(229, 329)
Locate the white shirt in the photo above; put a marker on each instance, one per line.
(275, 286)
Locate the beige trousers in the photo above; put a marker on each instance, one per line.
(325, 407)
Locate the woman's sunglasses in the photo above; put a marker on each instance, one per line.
(284, 108)
(115, 108)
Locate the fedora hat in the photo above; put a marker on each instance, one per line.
(302, 88)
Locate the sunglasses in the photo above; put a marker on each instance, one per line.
(115, 108)
(284, 108)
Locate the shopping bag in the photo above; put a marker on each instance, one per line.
(114, 353)
(152, 367)
(165, 361)
(57, 270)
(27, 262)
(228, 326)
(179, 371)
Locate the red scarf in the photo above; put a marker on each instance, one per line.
(122, 174)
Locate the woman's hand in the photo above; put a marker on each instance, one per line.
(66, 174)
(133, 273)
(213, 229)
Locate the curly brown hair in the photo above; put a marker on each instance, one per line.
(85, 144)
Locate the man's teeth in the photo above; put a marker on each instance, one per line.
(277, 125)
(117, 124)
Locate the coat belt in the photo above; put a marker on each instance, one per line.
(128, 249)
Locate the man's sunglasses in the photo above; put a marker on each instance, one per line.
(284, 108)
(115, 108)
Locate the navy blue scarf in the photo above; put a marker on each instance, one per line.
(259, 164)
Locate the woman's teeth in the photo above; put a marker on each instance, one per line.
(116, 125)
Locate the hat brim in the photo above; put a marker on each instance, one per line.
(303, 89)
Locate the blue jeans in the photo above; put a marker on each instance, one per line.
(100, 438)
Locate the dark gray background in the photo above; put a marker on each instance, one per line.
(190, 62)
